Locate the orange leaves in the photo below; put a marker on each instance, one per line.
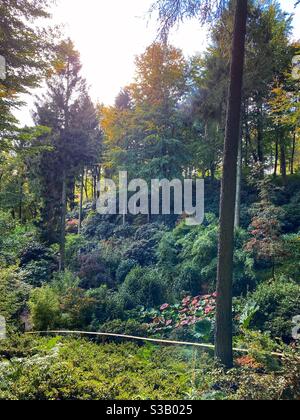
(248, 361)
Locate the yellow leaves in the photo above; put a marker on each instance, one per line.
(6, 92)
(284, 106)
(59, 66)
(160, 75)
(114, 122)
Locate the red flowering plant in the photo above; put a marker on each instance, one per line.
(194, 316)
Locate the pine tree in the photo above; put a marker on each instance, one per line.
(27, 48)
(75, 140)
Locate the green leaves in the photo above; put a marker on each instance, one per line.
(249, 311)
(26, 46)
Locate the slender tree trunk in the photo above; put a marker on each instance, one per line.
(21, 200)
(293, 153)
(62, 244)
(213, 171)
(276, 156)
(81, 201)
(247, 135)
(94, 187)
(273, 268)
(237, 215)
(223, 342)
(283, 159)
(260, 146)
(71, 190)
(86, 186)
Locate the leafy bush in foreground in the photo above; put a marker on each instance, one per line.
(79, 370)
(70, 369)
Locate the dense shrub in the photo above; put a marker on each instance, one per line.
(34, 252)
(37, 263)
(14, 238)
(77, 308)
(144, 245)
(142, 252)
(64, 304)
(150, 231)
(94, 271)
(278, 302)
(69, 369)
(75, 246)
(97, 226)
(124, 268)
(167, 254)
(45, 308)
(14, 295)
(188, 280)
(124, 231)
(290, 264)
(143, 286)
(79, 370)
(249, 384)
(64, 281)
(291, 220)
(106, 306)
(188, 258)
(127, 327)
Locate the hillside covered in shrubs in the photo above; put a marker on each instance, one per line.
(67, 269)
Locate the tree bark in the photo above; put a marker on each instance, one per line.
(293, 153)
(237, 214)
(247, 134)
(81, 201)
(260, 130)
(283, 161)
(21, 196)
(62, 245)
(223, 341)
(86, 186)
(276, 156)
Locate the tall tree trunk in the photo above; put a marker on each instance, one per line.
(62, 245)
(260, 138)
(247, 134)
(95, 187)
(237, 214)
(213, 171)
(293, 153)
(260, 152)
(283, 160)
(71, 190)
(276, 155)
(86, 185)
(223, 341)
(81, 201)
(20, 210)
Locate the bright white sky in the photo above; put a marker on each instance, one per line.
(110, 33)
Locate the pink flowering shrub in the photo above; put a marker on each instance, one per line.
(194, 314)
